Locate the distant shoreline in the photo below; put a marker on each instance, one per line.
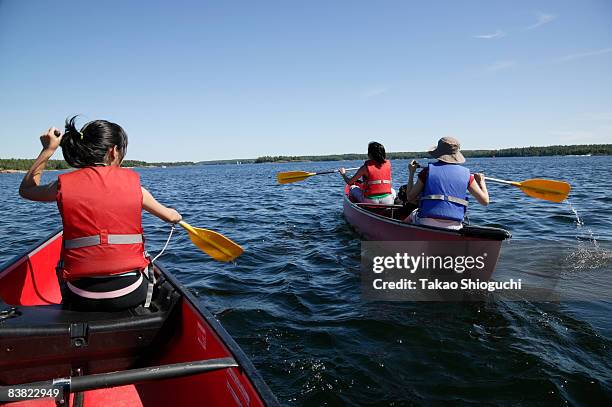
(16, 165)
(6, 171)
(547, 151)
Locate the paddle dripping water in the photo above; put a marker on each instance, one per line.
(588, 254)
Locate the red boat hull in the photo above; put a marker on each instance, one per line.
(189, 333)
(384, 223)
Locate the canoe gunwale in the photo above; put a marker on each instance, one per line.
(245, 364)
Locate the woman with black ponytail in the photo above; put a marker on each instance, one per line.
(103, 264)
(372, 182)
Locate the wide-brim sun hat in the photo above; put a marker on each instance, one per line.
(447, 151)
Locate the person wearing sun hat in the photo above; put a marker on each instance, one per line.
(443, 186)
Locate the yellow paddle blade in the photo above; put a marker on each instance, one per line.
(547, 189)
(212, 243)
(293, 176)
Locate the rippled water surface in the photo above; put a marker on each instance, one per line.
(292, 301)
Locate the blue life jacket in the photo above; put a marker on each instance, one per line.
(445, 193)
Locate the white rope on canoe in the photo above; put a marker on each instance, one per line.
(166, 245)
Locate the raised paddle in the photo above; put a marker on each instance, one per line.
(295, 176)
(546, 189)
(212, 243)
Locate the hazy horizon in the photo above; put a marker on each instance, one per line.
(58, 154)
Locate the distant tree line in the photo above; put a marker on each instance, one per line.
(158, 164)
(592, 149)
(232, 161)
(25, 164)
(333, 157)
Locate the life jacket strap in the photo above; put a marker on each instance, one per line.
(379, 181)
(151, 285)
(96, 240)
(448, 198)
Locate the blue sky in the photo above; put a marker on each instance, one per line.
(238, 79)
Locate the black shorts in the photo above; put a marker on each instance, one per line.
(133, 299)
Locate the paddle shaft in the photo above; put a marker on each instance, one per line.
(501, 181)
(187, 226)
(104, 380)
(333, 171)
(554, 191)
(518, 184)
(296, 176)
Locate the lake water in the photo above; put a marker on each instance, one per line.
(292, 301)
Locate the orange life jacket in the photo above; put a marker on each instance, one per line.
(101, 210)
(378, 179)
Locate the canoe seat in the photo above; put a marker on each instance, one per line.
(43, 342)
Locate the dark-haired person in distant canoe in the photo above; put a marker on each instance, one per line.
(103, 264)
(372, 182)
(443, 186)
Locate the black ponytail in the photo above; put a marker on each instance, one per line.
(89, 146)
(376, 151)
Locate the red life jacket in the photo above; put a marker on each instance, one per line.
(378, 179)
(101, 210)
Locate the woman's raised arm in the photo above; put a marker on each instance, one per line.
(30, 187)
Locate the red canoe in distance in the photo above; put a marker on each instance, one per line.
(377, 222)
(173, 354)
